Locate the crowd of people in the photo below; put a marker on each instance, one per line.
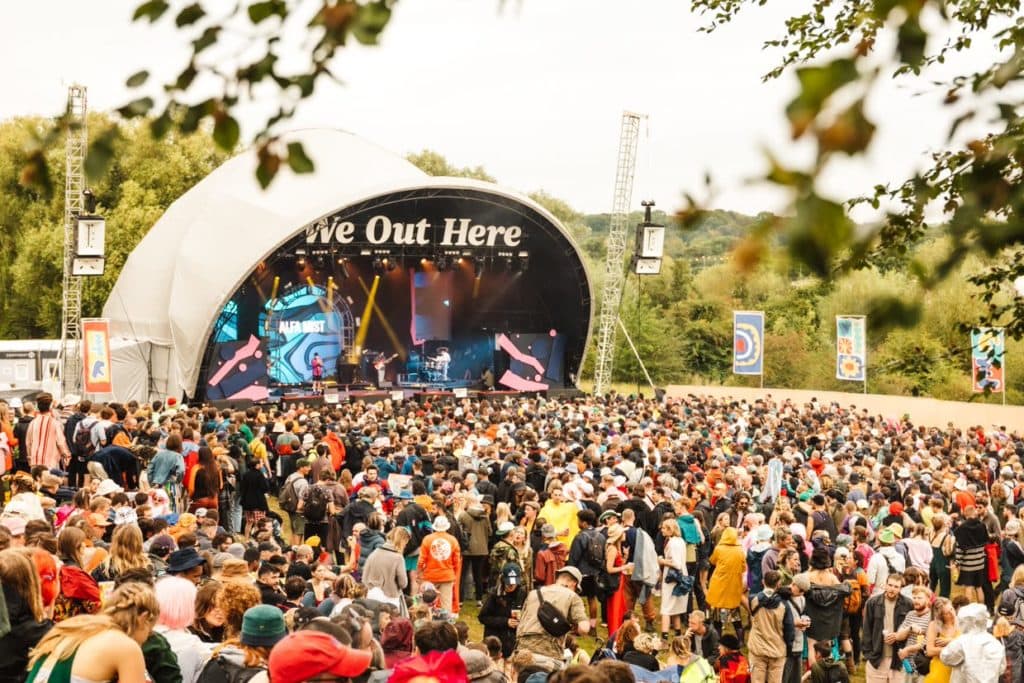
(507, 538)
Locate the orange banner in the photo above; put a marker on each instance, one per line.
(96, 356)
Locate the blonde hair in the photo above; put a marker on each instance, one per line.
(1002, 628)
(1017, 579)
(126, 551)
(680, 647)
(502, 513)
(128, 607)
(18, 572)
(399, 537)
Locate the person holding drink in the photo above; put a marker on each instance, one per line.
(502, 609)
(619, 570)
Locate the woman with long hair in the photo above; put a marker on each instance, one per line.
(79, 592)
(520, 540)
(205, 482)
(209, 620)
(617, 567)
(126, 555)
(234, 600)
(941, 632)
(941, 541)
(385, 566)
(28, 623)
(102, 647)
(673, 562)
(177, 599)
(262, 627)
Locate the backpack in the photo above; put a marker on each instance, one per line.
(551, 618)
(595, 548)
(755, 571)
(82, 445)
(855, 600)
(316, 501)
(289, 499)
(220, 670)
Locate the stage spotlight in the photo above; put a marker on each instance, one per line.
(478, 268)
(300, 262)
(509, 264)
(343, 268)
(390, 264)
(443, 263)
(378, 266)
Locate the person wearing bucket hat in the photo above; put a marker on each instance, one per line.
(440, 562)
(886, 561)
(186, 563)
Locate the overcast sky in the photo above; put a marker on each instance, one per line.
(532, 90)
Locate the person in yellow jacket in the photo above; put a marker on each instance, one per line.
(561, 514)
(440, 563)
(725, 591)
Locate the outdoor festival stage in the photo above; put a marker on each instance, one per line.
(373, 395)
(366, 273)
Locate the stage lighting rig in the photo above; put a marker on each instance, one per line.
(443, 263)
(378, 266)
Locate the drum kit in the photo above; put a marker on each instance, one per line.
(436, 369)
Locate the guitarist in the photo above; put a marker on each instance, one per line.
(380, 364)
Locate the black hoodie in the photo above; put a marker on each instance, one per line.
(25, 634)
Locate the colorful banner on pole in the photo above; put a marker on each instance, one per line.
(988, 344)
(96, 356)
(747, 342)
(851, 348)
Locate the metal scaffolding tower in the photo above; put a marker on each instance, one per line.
(74, 186)
(614, 266)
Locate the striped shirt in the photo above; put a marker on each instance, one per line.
(44, 441)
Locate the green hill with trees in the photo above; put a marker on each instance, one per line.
(681, 320)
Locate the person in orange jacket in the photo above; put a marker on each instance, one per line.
(440, 562)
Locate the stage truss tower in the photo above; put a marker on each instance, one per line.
(614, 263)
(74, 186)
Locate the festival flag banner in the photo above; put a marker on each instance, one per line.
(988, 346)
(851, 348)
(748, 342)
(96, 356)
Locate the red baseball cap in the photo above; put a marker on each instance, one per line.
(308, 654)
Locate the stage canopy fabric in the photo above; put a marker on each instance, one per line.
(176, 281)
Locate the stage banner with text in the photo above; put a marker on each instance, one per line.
(747, 342)
(851, 348)
(988, 344)
(96, 356)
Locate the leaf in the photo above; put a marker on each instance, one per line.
(892, 310)
(100, 155)
(159, 126)
(36, 174)
(136, 108)
(151, 10)
(850, 133)
(910, 43)
(258, 11)
(137, 79)
(208, 38)
(817, 84)
(298, 160)
(189, 15)
(193, 115)
(226, 132)
(370, 21)
(185, 78)
(818, 231)
(269, 164)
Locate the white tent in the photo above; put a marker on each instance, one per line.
(177, 280)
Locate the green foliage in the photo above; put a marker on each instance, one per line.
(432, 163)
(840, 51)
(144, 177)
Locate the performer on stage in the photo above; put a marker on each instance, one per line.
(443, 359)
(380, 364)
(317, 365)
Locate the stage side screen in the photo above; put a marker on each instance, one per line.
(530, 361)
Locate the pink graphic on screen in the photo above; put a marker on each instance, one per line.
(534, 360)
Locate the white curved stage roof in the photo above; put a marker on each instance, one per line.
(174, 284)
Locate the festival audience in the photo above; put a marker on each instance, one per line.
(289, 543)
